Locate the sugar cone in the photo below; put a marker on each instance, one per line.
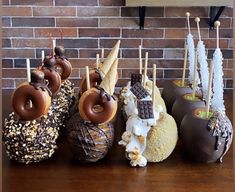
(109, 81)
(104, 68)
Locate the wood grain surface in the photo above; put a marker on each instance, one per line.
(114, 174)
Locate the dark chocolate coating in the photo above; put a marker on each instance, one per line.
(49, 62)
(88, 142)
(171, 92)
(201, 142)
(182, 106)
(37, 76)
(60, 51)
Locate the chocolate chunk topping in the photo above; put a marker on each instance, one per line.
(139, 91)
(145, 109)
(135, 78)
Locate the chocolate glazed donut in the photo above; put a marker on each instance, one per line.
(96, 106)
(37, 92)
(95, 79)
(54, 79)
(65, 66)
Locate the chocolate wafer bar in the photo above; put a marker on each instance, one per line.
(145, 109)
(139, 91)
(135, 77)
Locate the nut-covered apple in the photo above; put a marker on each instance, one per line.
(206, 139)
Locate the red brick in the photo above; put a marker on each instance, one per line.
(125, 43)
(31, 2)
(5, 2)
(112, 2)
(211, 43)
(75, 73)
(227, 53)
(14, 73)
(174, 73)
(97, 11)
(229, 84)
(163, 43)
(22, 43)
(173, 53)
(17, 32)
(54, 11)
(228, 73)
(180, 11)
(98, 32)
(229, 63)
(6, 22)
(33, 22)
(8, 83)
(81, 63)
(119, 22)
(75, 3)
(17, 53)
(55, 32)
(126, 73)
(80, 43)
(146, 33)
(128, 63)
(19, 81)
(16, 11)
(7, 63)
(223, 33)
(76, 22)
(70, 53)
(133, 53)
(225, 23)
(150, 11)
(182, 33)
(228, 12)
(6, 43)
(88, 53)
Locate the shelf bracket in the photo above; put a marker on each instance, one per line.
(141, 16)
(215, 16)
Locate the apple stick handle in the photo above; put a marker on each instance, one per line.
(43, 55)
(102, 54)
(97, 61)
(53, 47)
(154, 84)
(29, 78)
(145, 67)
(197, 20)
(194, 75)
(217, 24)
(140, 59)
(185, 63)
(87, 78)
(208, 99)
(187, 15)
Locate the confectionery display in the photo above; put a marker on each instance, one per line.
(207, 133)
(30, 132)
(97, 74)
(191, 109)
(90, 130)
(151, 134)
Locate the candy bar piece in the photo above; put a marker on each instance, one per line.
(145, 109)
(135, 77)
(139, 91)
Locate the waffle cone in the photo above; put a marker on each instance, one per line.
(104, 68)
(109, 82)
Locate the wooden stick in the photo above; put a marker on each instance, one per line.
(102, 54)
(140, 59)
(43, 55)
(28, 70)
(194, 75)
(187, 15)
(53, 46)
(208, 99)
(97, 61)
(185, 63)
(145, 67)
(197, 20)
(29, 78)
(87, 78)
(217, 24)
(154, 84)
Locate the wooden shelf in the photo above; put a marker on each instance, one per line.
(185, 3)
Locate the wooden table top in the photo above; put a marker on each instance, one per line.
(113, 173)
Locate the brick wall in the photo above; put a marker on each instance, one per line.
(88, 25)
